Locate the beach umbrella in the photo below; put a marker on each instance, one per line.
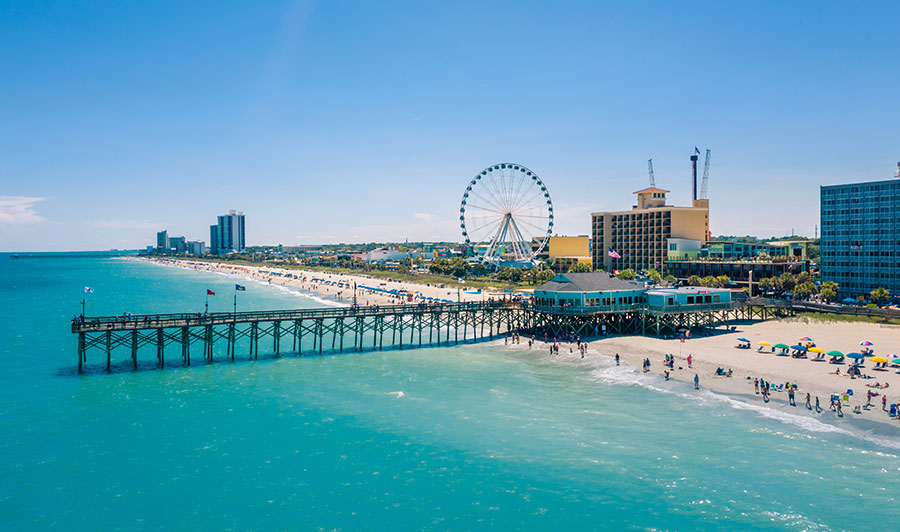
(743, 340)
(807, 339)
(835, 353)
(855, 356)
(798, 347)
(782, 346)
(866, 343)
(895, 361)
(816, 350)
(767, 344)
(879, 360)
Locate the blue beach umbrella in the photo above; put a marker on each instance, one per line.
(743, 340)
(855, 356)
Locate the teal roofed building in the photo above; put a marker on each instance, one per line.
(590, 291)
(599, 292)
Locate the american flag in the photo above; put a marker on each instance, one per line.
(612, 253)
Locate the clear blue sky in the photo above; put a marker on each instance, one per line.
(359, 121)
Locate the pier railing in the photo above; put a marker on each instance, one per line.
(196, 319)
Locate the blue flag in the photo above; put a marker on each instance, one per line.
(239, 288)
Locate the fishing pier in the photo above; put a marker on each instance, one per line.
(334, 329)
(393, 327)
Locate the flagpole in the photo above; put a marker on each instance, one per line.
(82, 308)
(235, 300)
(206, 311)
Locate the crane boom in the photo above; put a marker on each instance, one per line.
(652, 177)
(704, 184)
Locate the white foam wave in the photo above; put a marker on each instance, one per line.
(609, 373)
(398, 394)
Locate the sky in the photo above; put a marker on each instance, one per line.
(349, 121)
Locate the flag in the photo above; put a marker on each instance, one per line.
(696, 150)
(612, 253)
(239, 288)
(210, 292)
(88, 290)
(682, 339)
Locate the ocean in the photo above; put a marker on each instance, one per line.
(448, 438)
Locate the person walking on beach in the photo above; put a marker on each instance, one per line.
(690, 361)
(756, 386)
(696, 381)
(791, 397)
(617, 359)
(808, 406)
(884, 402)
(818, 408)
(833, 408)
(868, 398)
(840, 412)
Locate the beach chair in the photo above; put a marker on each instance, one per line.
(846, 399)
(849, 391)
(893, 410)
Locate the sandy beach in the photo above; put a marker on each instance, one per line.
(817, 378)
(338, 288)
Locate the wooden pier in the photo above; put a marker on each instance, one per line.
(336, 329)
(394, 326)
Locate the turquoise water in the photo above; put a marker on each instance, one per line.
(462, 438)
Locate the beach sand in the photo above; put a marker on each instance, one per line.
(708, 353)
(333, 293)
(816, 378)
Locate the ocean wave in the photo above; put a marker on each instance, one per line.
(609, 373)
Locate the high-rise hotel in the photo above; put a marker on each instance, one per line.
(638, 238)
(860, 246)
(227, 235)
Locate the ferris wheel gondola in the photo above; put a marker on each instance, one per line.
(507, 215)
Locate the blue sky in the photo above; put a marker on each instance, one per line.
(360, 121)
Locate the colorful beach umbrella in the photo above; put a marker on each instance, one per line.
(816, 350)
(879, 360)
(866, 343)
(767, 344)
(807, 339)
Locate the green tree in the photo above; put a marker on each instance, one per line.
(580, 267)
(879, 295)
(653, 275)
(693, 280)
(805, 290)
(670, 279)
(708, 282)
(722, 281)
(804, 277)
(829, 291)
(786, 283)
(626, 274)
(766, 285)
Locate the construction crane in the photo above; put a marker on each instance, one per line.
(650, 167)
(704, 183)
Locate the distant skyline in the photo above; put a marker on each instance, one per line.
(332, 122)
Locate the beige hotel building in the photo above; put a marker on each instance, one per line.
(641, 235)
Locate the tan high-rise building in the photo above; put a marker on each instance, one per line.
(640, 235)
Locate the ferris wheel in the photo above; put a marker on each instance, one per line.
(506, 208)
